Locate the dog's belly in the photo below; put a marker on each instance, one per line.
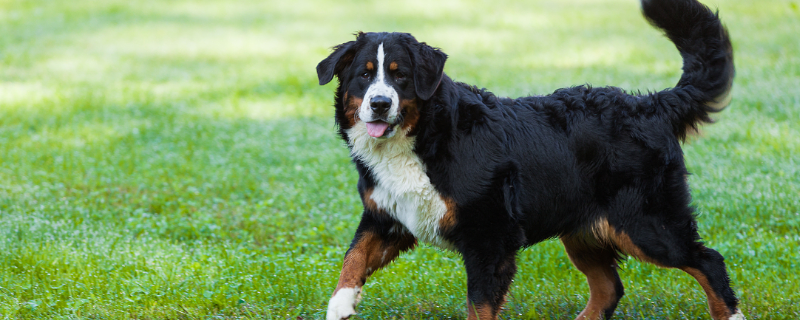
(402, 188)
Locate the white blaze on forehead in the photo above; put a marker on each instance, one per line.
(380, 87)
(381, 55)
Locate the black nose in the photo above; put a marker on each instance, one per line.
(380, 104)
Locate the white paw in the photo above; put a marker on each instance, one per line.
(737, 316)
(343, 303)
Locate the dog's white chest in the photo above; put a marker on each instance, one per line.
(402, 189)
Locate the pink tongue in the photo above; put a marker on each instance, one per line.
(377, 128)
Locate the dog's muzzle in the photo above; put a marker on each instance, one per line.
(380, 127)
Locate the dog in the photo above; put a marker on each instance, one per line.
(457, 167)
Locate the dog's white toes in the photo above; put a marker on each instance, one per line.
(340, 314)
(342, 304)
(737, 316)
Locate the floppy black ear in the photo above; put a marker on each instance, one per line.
(340, 59)
(428, 70)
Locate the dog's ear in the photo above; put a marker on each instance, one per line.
(428, 69)
(335, 63)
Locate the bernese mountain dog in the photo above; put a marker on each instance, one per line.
(457, 167)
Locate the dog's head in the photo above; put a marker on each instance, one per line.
(382, 79)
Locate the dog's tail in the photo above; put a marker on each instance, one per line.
(707, 55)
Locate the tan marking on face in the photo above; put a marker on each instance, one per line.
(598, 265)
(393, 66)
(716, 306)
(351, 105)
(410, 112)
(370, 66)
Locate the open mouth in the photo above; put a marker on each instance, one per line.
(377, 129)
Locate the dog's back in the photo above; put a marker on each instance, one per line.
(573, 153)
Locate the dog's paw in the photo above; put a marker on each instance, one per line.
(737, 316)
(342, 305)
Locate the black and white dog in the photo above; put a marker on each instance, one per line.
(457, 167)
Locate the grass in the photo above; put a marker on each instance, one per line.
(176, 159)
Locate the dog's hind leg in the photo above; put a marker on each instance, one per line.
(378, 240)
(598, 262)
(708, 269)
(661, 229)
(704, 264)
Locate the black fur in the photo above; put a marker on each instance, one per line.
(528, 169)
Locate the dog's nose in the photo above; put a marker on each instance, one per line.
(380, 104)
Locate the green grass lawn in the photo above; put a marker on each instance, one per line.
(177, 159)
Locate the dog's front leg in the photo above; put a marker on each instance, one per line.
(489, 274)
(378, 240)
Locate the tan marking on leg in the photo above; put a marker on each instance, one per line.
(622, 241)
(354, 269)
(370, 66)
(602, 231)
(448, 221)
(479, 312)
(393, 66)
(598, 264)
(369, 254)
(716, 306)
(601, 293)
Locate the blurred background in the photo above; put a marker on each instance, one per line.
(177, 159)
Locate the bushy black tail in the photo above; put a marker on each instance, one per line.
(707, 55)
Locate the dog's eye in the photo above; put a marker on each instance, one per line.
(365, 75)
(400, 76)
